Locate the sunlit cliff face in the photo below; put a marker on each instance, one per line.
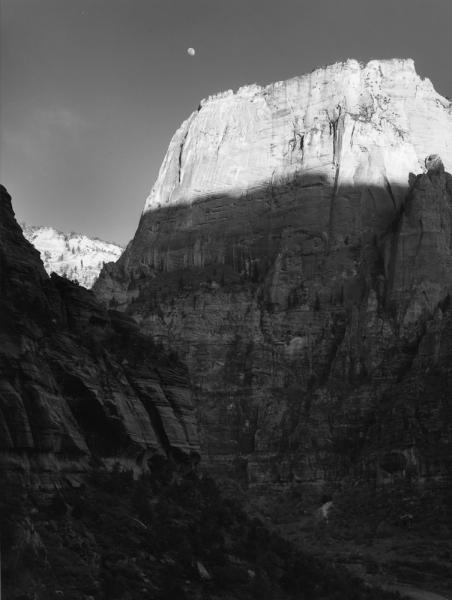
(347, 124)
(330, 152)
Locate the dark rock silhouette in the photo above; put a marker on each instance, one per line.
(78, 381)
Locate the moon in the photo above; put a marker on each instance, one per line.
(191, 51)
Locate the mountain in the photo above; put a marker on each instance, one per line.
(295, 252)
(72, 255)
(283, 310)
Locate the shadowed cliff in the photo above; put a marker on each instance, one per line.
(78, 382)
(301, 313)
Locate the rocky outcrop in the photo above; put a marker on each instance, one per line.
(277, 255)
(72, 255)
(418, 257)
(78, 382)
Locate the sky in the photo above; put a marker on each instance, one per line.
(91, 91)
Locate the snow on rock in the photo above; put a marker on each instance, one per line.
(72, 255)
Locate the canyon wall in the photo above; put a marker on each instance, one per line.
(294, 258)
(79, 385)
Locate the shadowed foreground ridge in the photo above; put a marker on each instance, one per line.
(82, 389)
(78, 381)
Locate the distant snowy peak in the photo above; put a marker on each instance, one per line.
(72, 255)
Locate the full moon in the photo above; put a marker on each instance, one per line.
(191, 51)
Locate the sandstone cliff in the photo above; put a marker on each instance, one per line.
(279, 255)
(77, 382)
(73, 255)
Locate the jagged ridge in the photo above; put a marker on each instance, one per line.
(72, 255)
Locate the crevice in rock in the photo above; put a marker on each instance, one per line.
(391, 193)
(181, 150)
(336, 133)
(225, 131)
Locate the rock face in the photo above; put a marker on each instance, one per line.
(277, 255)
(77, 382)
(346, 125)
(418, 259)
(73, 255)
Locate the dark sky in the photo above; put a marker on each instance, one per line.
(92, 90)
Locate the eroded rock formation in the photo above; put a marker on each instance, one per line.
(77, 382)
(278, 255)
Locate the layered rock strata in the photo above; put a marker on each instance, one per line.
(78, 382)
(277, 255)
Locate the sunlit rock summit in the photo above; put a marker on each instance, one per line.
(295, 252)
(344, 125)
(72, 255)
